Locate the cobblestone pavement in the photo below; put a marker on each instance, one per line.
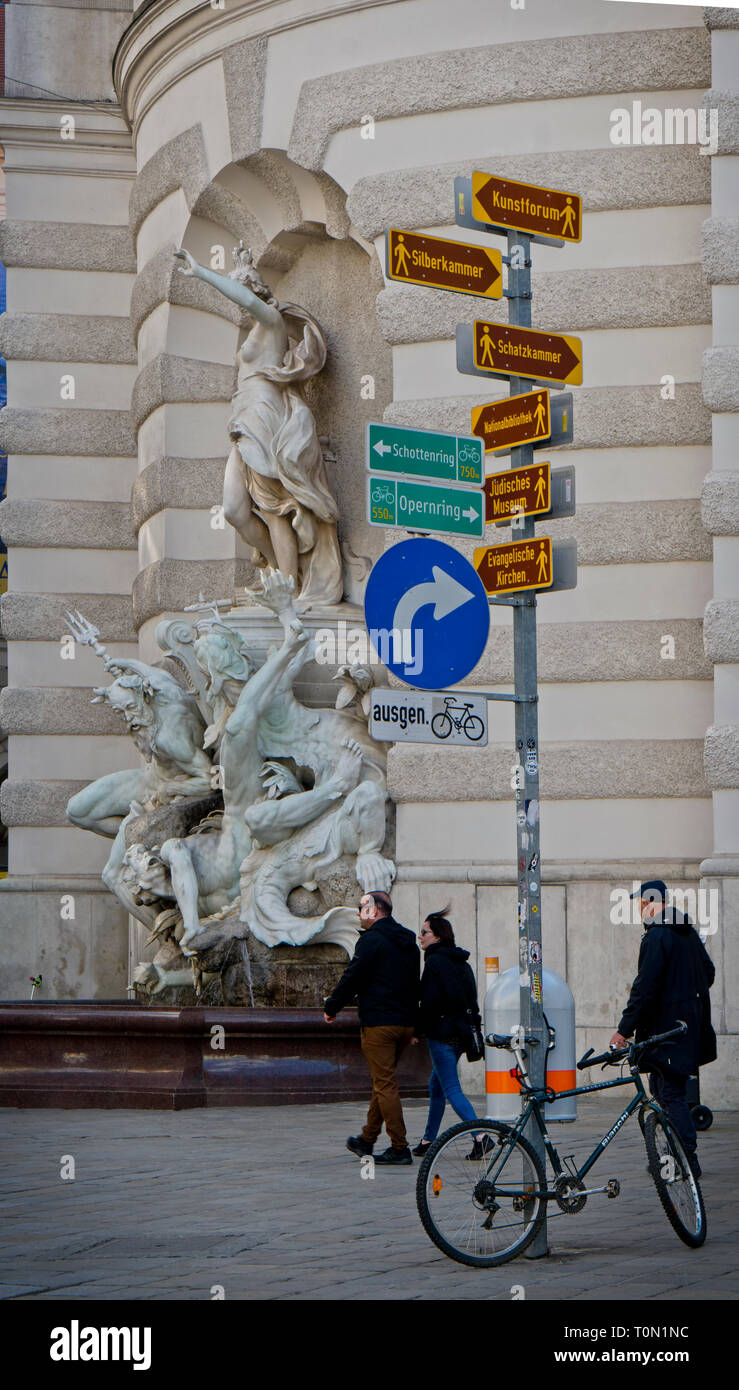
(267, 1203)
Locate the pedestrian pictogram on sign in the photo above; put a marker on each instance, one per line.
(525, 207)
(518, 491)
(442, 264)
(517, 565)
(513, 421)
(508, 351)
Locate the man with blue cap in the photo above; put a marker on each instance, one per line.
(674, 975)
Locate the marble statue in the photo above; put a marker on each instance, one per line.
(276, 493)
(167, 728)
(246, 794)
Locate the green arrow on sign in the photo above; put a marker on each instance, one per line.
(450, 458)
(445, 511)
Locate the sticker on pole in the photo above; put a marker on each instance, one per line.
(427, 613)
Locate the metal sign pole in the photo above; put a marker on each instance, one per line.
(527, 744)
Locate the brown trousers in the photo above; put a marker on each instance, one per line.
(382, 1047)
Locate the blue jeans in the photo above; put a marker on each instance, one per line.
(444, 1086)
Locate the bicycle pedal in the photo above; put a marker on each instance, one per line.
(613, 1187)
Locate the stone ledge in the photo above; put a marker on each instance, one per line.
(721, 756)
(726, 104)
(40, 617)
(66, 338)
(614, 417)
(644, 297)
(37, 803)
(611, 768)
(495, 75)
(721, 250)
(607, 180)
(51, 883)
(613, 651)
(169, 585)
(56, 710)
(502, 873)
(177, 482)
(724, 865)
(609, 533)
(721, 378)
(168, 379)
(37, 522)
(720, 504)
(721, 630)
(67, 246)
(100, 433)
(718, 17)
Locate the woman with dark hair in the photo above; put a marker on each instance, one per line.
(448, 992)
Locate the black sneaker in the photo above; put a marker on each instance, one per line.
(359, 1146)
(422, 1149)
(395, 1157)
(480, 1147)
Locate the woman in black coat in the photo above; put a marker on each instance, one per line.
(448, 992)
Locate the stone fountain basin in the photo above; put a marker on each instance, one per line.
(114, 1054)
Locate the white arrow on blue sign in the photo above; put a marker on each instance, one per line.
(427, 613)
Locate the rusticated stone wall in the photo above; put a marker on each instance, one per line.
(309, 137)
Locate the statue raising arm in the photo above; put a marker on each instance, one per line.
(235, 290)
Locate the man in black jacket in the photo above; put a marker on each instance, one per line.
(674, 976)
(384, 975)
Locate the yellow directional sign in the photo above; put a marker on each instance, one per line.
(442, 264)
(526, 352)
(518, 491)
(514, 420)
(525, 207)
(517, 565)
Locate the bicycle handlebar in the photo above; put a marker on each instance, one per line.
(617, 1054)
(505, 1040)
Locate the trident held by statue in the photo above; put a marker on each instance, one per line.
(86, 634)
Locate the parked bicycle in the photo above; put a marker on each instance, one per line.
(484, 1211)
(457, 717)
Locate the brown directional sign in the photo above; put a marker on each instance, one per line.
(506, 569)
(512, 421)
(524, 207)
(442, 264)
(518, 490)
(527, 352)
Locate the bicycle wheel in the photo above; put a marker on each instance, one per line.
(473, 727)
(485, 1211)
(441, 725)
(677, 1188)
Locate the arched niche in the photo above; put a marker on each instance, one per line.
(295, 223)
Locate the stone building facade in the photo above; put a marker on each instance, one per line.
(307, 127)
